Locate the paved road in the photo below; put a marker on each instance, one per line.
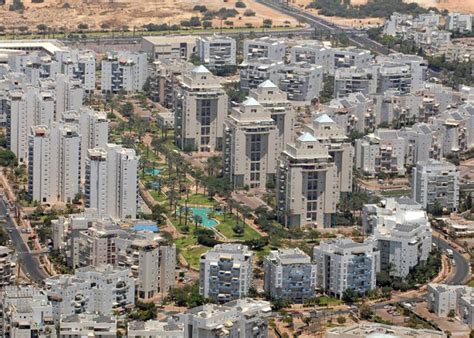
(462, 264)
(29, 262)
(356, 37)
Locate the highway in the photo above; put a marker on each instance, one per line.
(29, 263)
(357, 37)
(462, 264)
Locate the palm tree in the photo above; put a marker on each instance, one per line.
(197, 220)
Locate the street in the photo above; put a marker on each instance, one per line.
(29, 263)
(462, 264)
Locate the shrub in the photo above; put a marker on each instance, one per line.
(249, 12)
(240, 4)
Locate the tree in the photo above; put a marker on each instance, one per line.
(341, 320)
(365, 312)
(452, 313)
(349, 296)
(437, 209)
(249, 12)
(240, 4)
(127, 109)
(83, 26)
(267, 23)
(7, 158)
(42, 28)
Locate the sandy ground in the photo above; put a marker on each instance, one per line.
(130, 13)
(450, 5)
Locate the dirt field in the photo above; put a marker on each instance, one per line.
(450, 5)
(118, 13)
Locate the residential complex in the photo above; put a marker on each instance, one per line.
(343, 264)
(200, 110)
(436, 184)
(217, 51)
(289, 275)
(124, 71)
(226, 272)
(452, 300)
(265, 47)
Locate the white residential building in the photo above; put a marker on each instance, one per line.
(7, 274)
(26, 108)
(265, 47)
(112, 181)
(461, 22)
(169, 47)
(289, 275)
(445, 300)
(124, 71)
(353, 80)
(250, 150)
(381, 330)
(402, 234)
(313, 52)
(281, 110)
(342, 264)
(381, 152)
(96, 290)
(307, 184)
(26, 312)
(217, 51)
(68, 94)
(301, 81)
(256, 71)
(436, 182)
(54, 164)
(200, 110)
(349, 57)
(417, 65)
(87, 325)
(226, 272)
(155, 329)
(239, 318)
(80, 65)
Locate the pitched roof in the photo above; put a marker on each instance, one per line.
(250, 101)
(267, 84)
(307, 137)
(201, 69)
(324, 118)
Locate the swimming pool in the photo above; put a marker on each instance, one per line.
(145, 227)
(152, 171)
(203, 212)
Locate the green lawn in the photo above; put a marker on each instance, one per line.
(225, 228)
(396, 193)
(160, 198)
(199, 199)
(471, 283)
(192, 255)
(329, 301)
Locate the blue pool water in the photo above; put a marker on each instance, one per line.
(206, 221)
(152, 171)
(146, 227)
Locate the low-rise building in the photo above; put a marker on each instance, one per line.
(381, 330)
(256, 71)
(289, 275)
(265, 47)
(155, 329)
(226, 272)
(460, 22)
(169, 47)
(301, 81)
(452, 300)
(217, 51)
(87, 325)
(7, 275)
(239, 318)
(342, 264)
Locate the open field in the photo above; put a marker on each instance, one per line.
(69, 14)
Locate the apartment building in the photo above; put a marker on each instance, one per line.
(456, 126)
(353, 80)
(265, 47)
(26, 312)
(226, 272)
(87, 325)
(155, 329)
(94, 127)
(26, 108)
(301, 81)
(289, 275)
(200, 110)
(238, 318)
(460, 22)
(393, 76)
(79, 65)
(399, 110)
(281, 111)
(307, 186)
(382, 151)
(445, 300)
(68, 94)
(54, 163)
(217, 51)
(100, 290)
(342, 264)
(313, 52)
(124, 71)
(256, 71)
(355, 111)
(250, 149)
(436, 183)
(417, 65)
(402, 233)
(340, 149)
(169, 47)
(7, 273)
(350, 57)
(111, 185)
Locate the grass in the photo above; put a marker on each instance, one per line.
(225, 228)
(396, 193)
(329, 301)
(192, 255)
(160, 198)
(199, 199)
(471, 283)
